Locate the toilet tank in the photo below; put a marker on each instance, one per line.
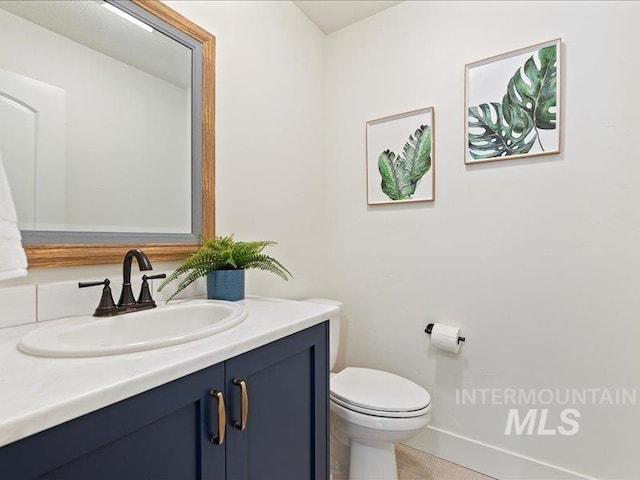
(334, 328)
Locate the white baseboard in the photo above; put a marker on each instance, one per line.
(488, 459)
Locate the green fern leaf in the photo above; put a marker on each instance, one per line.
(224, 253)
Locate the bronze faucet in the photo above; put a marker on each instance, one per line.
(126, 296)
(127, 302)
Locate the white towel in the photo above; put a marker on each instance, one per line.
(13, 261)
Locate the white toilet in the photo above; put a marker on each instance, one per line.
(371, 410)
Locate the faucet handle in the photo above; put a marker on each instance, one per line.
(154, 277)
(145, 293)
(106, 306)
(105, 282)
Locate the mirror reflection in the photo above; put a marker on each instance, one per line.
(95, 119)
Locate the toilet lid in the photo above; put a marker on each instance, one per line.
(377, 391)
(380, 413)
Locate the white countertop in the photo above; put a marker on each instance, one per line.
(39, 393)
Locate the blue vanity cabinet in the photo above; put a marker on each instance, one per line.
(165, 433)
(158, 434)
(287, 428)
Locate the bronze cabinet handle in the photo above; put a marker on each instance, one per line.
(244, 405)
(222, 418)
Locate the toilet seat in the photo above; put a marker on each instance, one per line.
(381, 413)
(378, 393)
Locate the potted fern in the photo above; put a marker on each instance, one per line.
(223, 261)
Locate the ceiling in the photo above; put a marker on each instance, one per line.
(330, 15)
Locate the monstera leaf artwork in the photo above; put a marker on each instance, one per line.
(514, 125)
(499, 137)
(401, 173)
(534, 90)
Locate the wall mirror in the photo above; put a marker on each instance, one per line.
(106, 128)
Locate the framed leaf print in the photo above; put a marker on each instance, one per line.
(512, 104)
(400, 158)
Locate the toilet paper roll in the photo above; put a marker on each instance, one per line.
(445, 337)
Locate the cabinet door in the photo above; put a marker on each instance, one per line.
(287, 424)
(159, 434)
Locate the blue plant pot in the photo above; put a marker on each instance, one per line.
(225, 285)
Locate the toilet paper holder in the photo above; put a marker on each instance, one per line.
(430, 328)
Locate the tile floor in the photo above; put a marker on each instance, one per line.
(416, 465)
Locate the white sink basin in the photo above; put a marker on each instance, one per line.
(88, 336)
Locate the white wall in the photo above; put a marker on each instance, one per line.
(537, 260)
(269, 158)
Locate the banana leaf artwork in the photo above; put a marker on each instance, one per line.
(512, 107)
(400, 160)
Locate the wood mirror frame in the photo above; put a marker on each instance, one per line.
(61, 255)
